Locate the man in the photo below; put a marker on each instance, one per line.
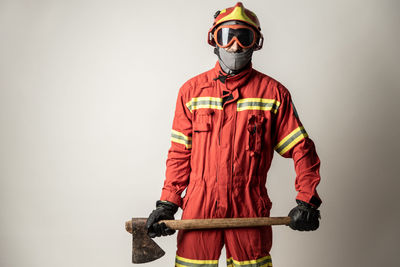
(228, 122)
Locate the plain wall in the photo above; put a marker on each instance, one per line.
(87, 95)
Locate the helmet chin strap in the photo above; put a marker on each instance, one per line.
(233, 63)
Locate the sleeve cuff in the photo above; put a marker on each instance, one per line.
(167, 195)
(313, 200)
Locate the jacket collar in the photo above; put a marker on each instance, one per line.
(236, 81)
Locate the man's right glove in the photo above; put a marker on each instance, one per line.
(165, 210)
(304, 217)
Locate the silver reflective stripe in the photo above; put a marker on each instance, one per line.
(186, 141)
(180, 138)
(292, 139)
(258, 104)
(204, 102)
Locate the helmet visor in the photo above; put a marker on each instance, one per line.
(225, 36)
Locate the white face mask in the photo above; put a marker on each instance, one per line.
(233, 62)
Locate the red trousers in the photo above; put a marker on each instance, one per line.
(244, 247)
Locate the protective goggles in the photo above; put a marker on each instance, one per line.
(246, 37)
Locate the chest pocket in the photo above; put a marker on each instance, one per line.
(256, 130)
(203, 120)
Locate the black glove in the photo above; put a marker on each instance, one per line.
(164, 211)
(304, 217)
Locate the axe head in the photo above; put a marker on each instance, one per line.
(144, 249)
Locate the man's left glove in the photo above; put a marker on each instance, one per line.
(304, 217)
(165, 210)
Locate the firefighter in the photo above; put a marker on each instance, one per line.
(228, 122)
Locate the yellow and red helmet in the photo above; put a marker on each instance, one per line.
(236, 13)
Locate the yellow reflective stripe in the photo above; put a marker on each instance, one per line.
(263, 100)
(257, 108)
(286, 138)
(180, 138)
(290, 140)
(295, 141)
(181, 142)
(195, 262)
(258, 104)
(264, 261)
(204, 102)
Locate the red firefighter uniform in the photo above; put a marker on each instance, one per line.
(223, 139)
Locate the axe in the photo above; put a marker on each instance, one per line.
(144, 249)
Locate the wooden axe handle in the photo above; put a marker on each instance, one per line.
(219, 223)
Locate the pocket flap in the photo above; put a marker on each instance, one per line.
(201, 126)
(202, 112)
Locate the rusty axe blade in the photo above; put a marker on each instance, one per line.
(144, 249)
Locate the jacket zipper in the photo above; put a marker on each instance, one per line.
(233, 143)
(220, 126)
(233, 149)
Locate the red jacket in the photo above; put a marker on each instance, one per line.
(223, 139)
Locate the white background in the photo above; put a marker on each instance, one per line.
(87, 95)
